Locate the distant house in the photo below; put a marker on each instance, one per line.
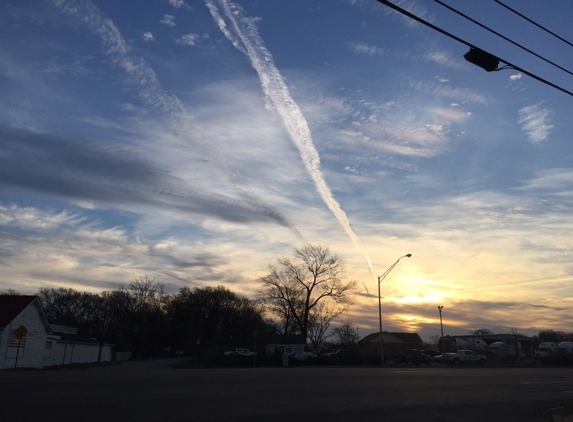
(40, 343)
(394, 344)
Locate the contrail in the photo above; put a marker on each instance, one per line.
(244, 29)
(151, 93)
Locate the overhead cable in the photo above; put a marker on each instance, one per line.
(434, 27)
(533, 22)
(504, 37)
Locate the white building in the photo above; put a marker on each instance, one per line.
(28, 351)
(28, 341)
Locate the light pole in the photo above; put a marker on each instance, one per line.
(380, 278)
(442, 329)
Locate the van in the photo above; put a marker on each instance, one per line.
(496, 347)
(566, 347)
(545, 349)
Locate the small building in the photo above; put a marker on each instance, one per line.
(28, 340)
(395, 344)
(23, 316)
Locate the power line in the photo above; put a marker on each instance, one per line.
(533, 22)
(502, 36)
(472, 47)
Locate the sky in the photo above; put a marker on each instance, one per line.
(197, 141)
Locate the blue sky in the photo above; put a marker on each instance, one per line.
(198, 141)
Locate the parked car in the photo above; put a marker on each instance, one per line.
(239, 351)
(336, 353)
(461, 356)
(417, 357)
(323, 352)
(298, 353)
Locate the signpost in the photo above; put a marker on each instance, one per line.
(19, 332)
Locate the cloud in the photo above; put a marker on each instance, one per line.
(557, 182)
(444, 59)
(406, 128)
(83, 254)
(76, 170)
(154, 96)
(450, 114)
(536, 122)
(31, 218)
(515, 77)
(188, 39)
(148, 36)
(168, 20)
(443, 90)
(365, 48)
(178, 4)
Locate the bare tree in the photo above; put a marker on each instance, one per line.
(293, 289)
(71, 306)
(484, 331)
(435, 339)
(319, 323)
(9, 292)
(346, 333)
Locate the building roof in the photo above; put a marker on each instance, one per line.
(408, 337)
(493, 337)
(11, 306)
(392, 338)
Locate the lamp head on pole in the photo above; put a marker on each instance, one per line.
(409, 255)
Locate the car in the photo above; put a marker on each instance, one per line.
(239, 351)
(461, 356)
(321, 353)
(336, 353)
(415, 356)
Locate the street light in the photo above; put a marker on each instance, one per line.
(442, 328)
(380, 278)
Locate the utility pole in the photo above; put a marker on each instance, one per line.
(442, 329)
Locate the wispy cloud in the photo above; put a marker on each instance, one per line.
(168, 20)
(148, 36)
(443, 58)
(187, 39)
(536, 122)
(178, 4)
(447, 91)
(407, 129)
(365, 48)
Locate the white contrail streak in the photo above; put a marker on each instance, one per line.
(245, 30)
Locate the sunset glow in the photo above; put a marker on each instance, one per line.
(196, 142)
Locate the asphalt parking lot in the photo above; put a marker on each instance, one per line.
(153, 391)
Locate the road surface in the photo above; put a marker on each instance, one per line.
(153, 391)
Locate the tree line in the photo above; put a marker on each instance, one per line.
(142, 318)
(300, 295)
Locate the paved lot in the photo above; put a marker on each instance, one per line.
(154, 392)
